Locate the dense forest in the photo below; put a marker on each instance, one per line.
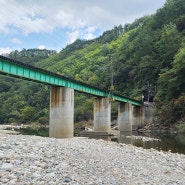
(148, 58)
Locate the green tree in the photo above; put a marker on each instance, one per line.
(171, 84)
(167, 46)
(180, 23)
(27, 114)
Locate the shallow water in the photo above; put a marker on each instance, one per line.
(160, 141)
(165, 141)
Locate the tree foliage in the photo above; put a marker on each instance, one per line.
(22, 101)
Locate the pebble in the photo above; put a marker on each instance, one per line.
(6, 166)
(34, 160)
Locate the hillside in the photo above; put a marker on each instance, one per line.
(148, 58)
(139, 51)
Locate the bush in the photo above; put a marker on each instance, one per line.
(171, 112)
(44, 120)
(181, 128)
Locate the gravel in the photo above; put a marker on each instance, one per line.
(33, 160)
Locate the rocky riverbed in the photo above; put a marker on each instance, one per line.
(33, 160)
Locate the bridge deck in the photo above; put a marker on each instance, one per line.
(21, 70)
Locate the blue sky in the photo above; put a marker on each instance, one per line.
(52, 24)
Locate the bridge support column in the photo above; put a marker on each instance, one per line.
(149, 111)
(61, 123)
(125, 117)
(138, 116)
(102, 114)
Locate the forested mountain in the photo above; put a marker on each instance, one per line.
(31, 56)
(22, 101)
(147, 56)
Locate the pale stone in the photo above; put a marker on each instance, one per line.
(6, 166)
(76, 161)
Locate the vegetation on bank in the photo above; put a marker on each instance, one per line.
(42, 131)
(148, 58)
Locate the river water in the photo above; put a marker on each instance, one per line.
(164, 141)
(161, 141)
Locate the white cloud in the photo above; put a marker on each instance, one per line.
(32, 16)
(41, 47)
(89, 33)
(64, 18)
(63, 21)
(23, 16)
(5, 51)
(72, 36)
(86, 33)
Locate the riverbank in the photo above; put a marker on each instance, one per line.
(34, 160)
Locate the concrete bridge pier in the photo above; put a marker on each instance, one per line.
(102, 114)
(124, 117)
(61, 123)
(138, 116)
(149, 111)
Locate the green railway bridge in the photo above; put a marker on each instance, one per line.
(61, 124)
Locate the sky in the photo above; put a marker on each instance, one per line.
(53, 24)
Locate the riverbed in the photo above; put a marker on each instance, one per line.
(166, 141)
(34, 160)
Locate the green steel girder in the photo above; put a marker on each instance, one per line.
(20, 70)
(125, 99)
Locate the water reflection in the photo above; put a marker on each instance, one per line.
(165, 141)
(159, 141)
(125, 137)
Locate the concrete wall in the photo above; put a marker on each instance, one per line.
(61, 123)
